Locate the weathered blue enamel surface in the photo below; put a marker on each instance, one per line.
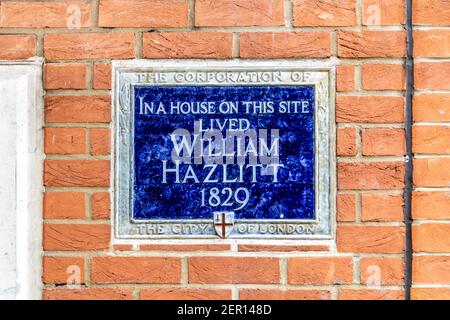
(292, 197)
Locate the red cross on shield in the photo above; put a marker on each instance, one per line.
(223, 223)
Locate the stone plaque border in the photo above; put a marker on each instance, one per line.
(127, 74)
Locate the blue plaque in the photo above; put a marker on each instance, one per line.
(203, 153)
(289, 110)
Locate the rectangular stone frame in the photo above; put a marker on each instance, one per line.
(126, 74)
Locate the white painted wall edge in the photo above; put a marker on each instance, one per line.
(29, 175)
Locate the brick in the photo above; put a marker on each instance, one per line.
(64, 205)
(431, 237)
(383, 77)
(186, 247)
(431, 205)
(346, 207)
(431, 107)
(143, 13)
(432, 43)
(382, 271)
(102, 76)
(383, 142)
(135, 270)
(63, 270)
(239, 13)
(381, 207)
(187, 45)
(78, 108)
(88, 294)
(367, 294)
(65, 140)
(431, 12)
(370, 175)
(123, 247)
(371, 44)
(370, 239)
(234, 270)
(45, 14)
(431, 139)
(383, 12)
(324, 13)
(283, 294)
(74, 46)
(346, 142)
(269, 45)
(100, 205)
(432, 75)
(17, 46)
(430, 294)
(280, 248)
(76, 237)
(76, 173)
(185, 294)
(369, 109)
(100, 141)
(431, 270)
(432, 172)
(320, 270)
(65, 76)
(345, 78)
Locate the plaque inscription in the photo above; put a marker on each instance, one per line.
(220, 149)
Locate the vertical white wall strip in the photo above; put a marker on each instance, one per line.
(21, 149)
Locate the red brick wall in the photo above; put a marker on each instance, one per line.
(369, 40)
(431, 145)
